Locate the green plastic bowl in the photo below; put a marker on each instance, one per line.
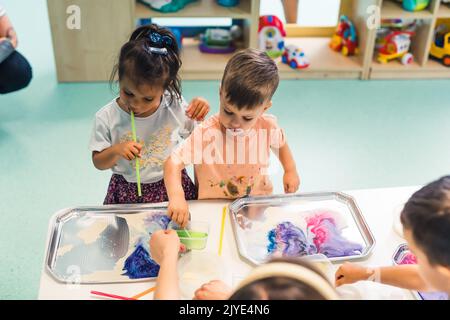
(195, 235)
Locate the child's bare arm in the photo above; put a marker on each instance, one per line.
(177, 209)
(198, 109)
(291, 180)
(108, 158)
(164, 248)
(406, 276)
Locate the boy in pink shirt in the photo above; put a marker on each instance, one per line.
(230, 151)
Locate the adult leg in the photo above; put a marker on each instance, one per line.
(15, 73)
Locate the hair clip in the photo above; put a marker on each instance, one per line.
(159, 39)
(160, 51)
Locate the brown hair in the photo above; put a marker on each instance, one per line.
(250, 79)
(139, 64)
(427, 216)
(280, 288)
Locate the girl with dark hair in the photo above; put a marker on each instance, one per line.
(150, 89)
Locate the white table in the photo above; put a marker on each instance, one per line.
(377, 206)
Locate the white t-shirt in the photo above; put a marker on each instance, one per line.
(2, 11)
(159, 133)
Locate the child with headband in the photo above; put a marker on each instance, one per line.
(150, 88)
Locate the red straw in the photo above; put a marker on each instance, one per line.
(108, 295)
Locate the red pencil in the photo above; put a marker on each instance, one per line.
(108, 295)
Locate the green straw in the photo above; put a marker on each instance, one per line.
(138, 175)
(188, 234)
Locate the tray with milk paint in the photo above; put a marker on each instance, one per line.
(107, 244)
(328, 223)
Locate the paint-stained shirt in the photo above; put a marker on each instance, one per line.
(228, 164)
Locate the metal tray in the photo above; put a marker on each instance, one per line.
(403, 253)
(398, 258)
(251, 234)
(92, 244)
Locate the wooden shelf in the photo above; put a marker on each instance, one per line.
(444, 11)
(395, 70)
(198, 9)
(325, 63)
(394, 65)
(437, 66)
(199, 65)
(77, 54)
(394, 10)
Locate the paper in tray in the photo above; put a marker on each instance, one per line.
(328, 223)
(104, 244)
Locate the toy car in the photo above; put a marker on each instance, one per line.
(390, 25)
(345, 39)
(397, 46)
(440, 48)
(295, 57)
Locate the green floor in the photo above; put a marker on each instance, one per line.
(344, 135)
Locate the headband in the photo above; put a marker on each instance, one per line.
(293, 271)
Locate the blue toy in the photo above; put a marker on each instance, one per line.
(228, 3)
(177, 32)
(166, 5)
(415, 5)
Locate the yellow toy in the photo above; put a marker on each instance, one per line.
(397, 46)
(440, 49)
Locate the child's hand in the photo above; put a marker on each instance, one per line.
(198, 109)
(165, 244)
(350, 273)
(213, 290)
(291, 181)
(178, 211)
(129, 150)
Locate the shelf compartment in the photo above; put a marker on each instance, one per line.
(325, 63)
(201, 66)
(393, 10)
(420, 44)
(444, 11)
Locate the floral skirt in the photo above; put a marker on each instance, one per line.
(120, 191)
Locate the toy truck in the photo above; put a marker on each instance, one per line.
(440, 48)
